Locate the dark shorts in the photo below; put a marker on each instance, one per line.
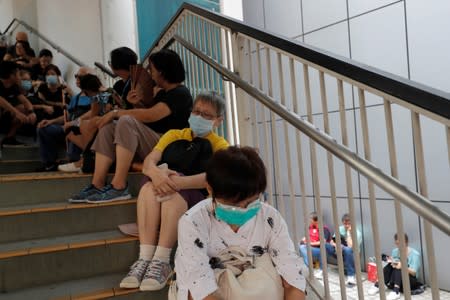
(191, 196)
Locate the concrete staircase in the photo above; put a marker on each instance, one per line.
(51, 249)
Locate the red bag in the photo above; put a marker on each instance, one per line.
(372, 272)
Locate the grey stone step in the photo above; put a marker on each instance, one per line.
(28, 152)
(98, 287)
(36, 188)
(57, 219)
(18, 166)
(49, 261)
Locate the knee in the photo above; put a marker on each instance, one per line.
(347, 250)
(125, 122)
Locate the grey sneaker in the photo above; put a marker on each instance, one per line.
(84, 194)
(157, 275)
(134, 277)
(109, 194)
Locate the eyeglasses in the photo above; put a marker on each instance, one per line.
(204, 115)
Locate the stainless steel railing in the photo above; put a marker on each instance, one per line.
(320, 134)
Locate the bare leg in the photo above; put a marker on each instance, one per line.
(123, 162)
(102, 164)
(171, 211)
(148, 215)
(290, 292)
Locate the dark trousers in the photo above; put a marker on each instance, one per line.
(393, 277)
(50, 139)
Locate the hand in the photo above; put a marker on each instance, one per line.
(162, 181)
(31, 118)
(107, 118)
(48, 109)
(134, 96)
(43, 123)
(21, 117)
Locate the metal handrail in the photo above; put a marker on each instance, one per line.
(47, 40)
(104, 69)
(428, 98)
(416, 202)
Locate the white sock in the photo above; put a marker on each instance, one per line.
(146, 251)
(163, 254)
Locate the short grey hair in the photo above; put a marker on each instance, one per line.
(214, 99)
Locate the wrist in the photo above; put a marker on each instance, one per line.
(115, 113)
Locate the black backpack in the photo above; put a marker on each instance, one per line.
(188, 157)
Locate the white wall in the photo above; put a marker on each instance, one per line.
(87, 29)
(407, 38)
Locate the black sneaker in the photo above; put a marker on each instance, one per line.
(47, 168)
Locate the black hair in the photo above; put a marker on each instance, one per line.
(122, 58)
(214, 99)
(396, 237)
(8, 68)
(45, 52)
(54, 68)
(236, 173)
(90, 82)
(169, 64)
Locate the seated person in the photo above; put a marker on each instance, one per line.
(234, 216)
(15, 109)
(392, 271)
(83, 130)
(23, 55)
(347, 247)
(51, 132)
(51, 92)
(27, 86)
(151, 271)
(21, 36)
(315, 240)
(137, 130)
(38, 69)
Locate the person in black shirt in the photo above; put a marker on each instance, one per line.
(38, 70)
(15, 109)
(137, 130)
(121, 59)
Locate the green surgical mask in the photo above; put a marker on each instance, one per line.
(236, 215)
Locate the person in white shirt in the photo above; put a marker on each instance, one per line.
(234, 216)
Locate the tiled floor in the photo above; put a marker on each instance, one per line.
(352, 292)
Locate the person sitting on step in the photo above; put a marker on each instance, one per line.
(236, 216)
(15, 109)
(169, 195)
(347, 244)
(392, 271)
(124, 134)
(315, 242)
(52, 131)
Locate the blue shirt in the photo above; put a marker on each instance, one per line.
(413, 258)
(343, 233)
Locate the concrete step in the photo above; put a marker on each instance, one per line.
(98, 287)
(26, 152)
(48, 220)
(18, 166)
(39, 262)
(47, 187)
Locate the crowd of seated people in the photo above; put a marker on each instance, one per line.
(175, 133)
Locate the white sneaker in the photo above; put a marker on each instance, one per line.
(69, 168)
(351, 280)
(393, 296)
(318, 273)
(373, 290)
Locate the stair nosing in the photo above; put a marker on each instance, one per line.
(47, 176)
(58, 206)
(58, 247)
